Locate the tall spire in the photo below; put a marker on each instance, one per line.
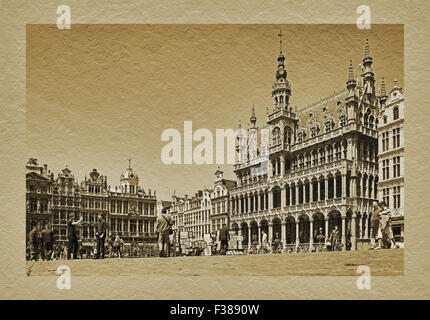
(351, 83)
(383, 92)
(253, 118)
(367, 49)
(280, 40)
(383, 98)
(350, 71)
(367, 74)
(367, 60)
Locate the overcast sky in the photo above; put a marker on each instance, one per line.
(100, 94)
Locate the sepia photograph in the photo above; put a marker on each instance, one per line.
(314, 180)
(189, 160)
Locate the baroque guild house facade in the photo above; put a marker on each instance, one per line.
(315, 169)
(129, 211)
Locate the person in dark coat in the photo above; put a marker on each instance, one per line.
(72, 237)
(224, 236)
(48, 241)
(101, 236)
(34, 245)
(41, 249)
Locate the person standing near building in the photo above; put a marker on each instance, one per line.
(264, 242)
(101, 236)
(374, 227)
(72, 236)
(320, 239)
(48, 241)
(163, 228)
(224, 238)
(385, 225)
(110, 244)
(34, 246)
(41, 249)
(334, 239)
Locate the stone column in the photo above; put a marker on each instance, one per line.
(353, 236)
(343, 233)
(343, 185)
(334, 186)
(291, 195)
(248, 199)
(311, 191)
(282, 166)
(319, 190)
(326, 188)
(283, 234)
(270, 233)
(297, 194)
(259, 233)
(311, 234)
(297, 233)
(326, 228)
(283, 197)
(270, 200)
(366, 228)
(249, 237)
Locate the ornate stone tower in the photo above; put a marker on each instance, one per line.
(282, 121)
(129, 180)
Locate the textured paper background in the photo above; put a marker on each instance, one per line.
(15, 16)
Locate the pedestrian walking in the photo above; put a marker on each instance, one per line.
(334, 239)
(101, 235)
(164, 229)
(34, 245)
(224, 237)
(386, 227)
(48, 241)
(41, 249)
(72, 237)
(375, 232)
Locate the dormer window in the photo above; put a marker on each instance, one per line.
(396, 113)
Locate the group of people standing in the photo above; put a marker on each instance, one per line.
(42, 243)
(381, 227)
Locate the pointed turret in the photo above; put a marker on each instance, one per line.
(383, 97)
(281, 89)
(253, 118)
(351, 83)
(367, 74)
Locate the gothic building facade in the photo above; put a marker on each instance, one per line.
(313, 169)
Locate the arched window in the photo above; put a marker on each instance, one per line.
(342, 120)
(287, 135)
(276, 136)
(371, 119)
(396, 113)
(313, 131)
